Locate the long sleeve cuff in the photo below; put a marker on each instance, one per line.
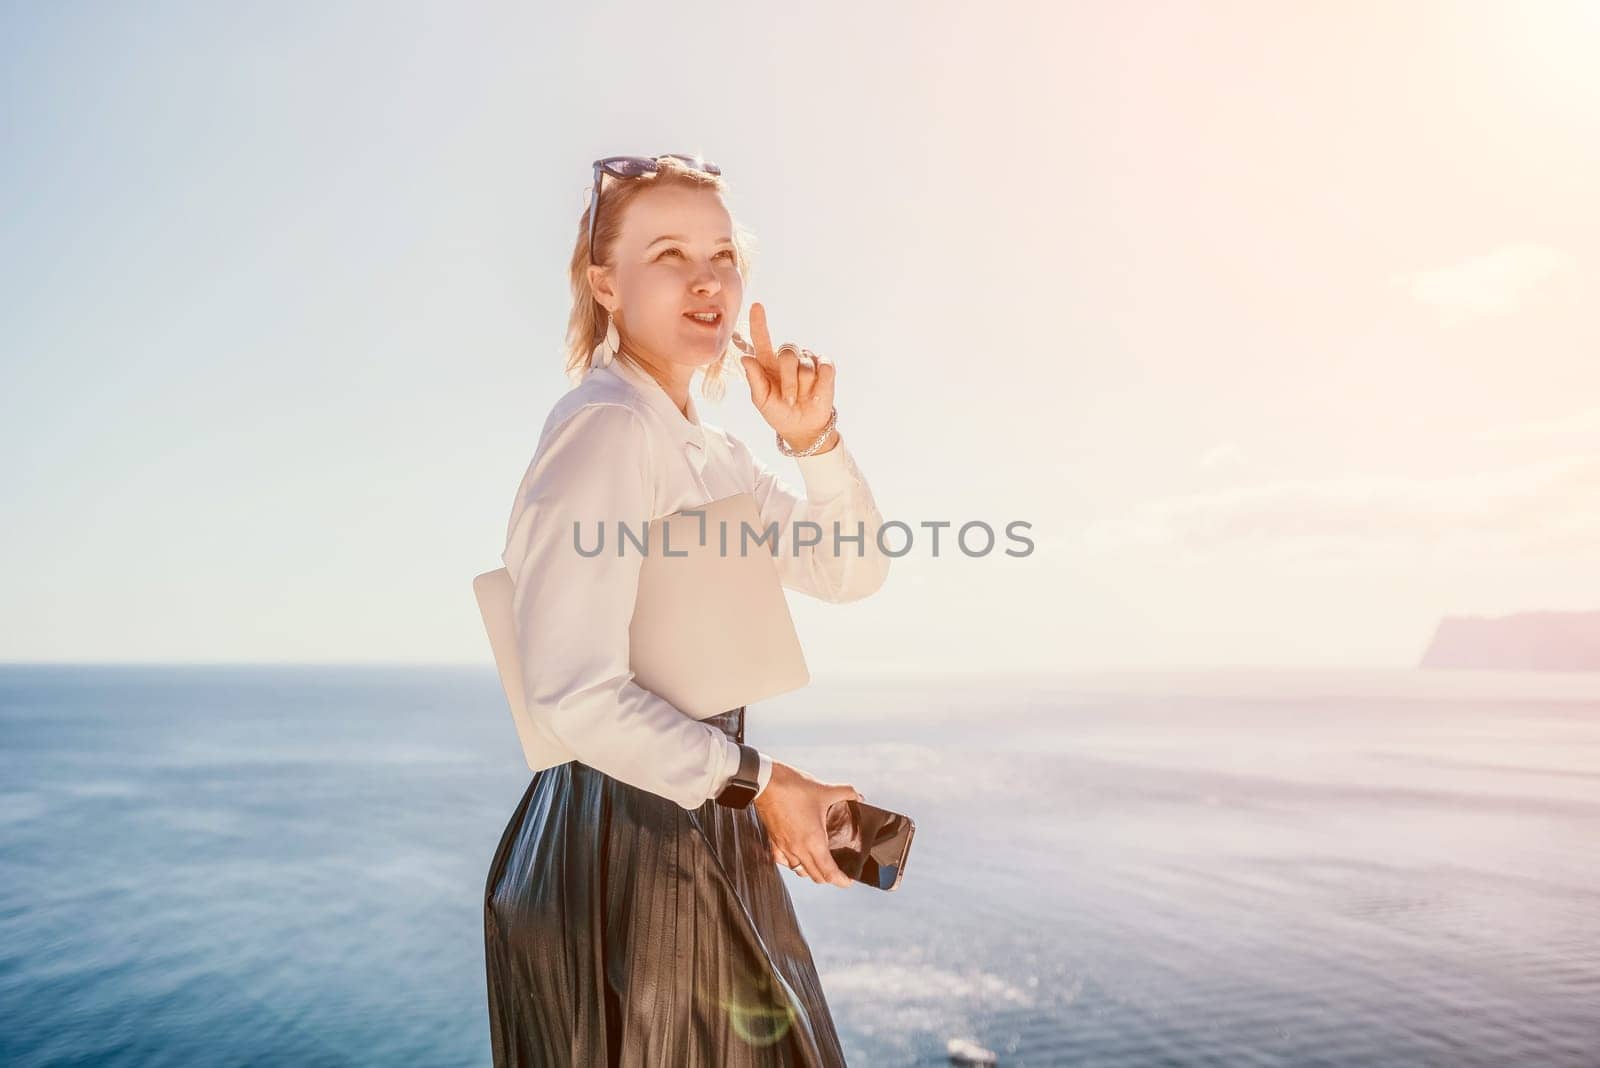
(764, 774)
(830, 473)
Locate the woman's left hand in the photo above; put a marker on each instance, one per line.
(792, 388)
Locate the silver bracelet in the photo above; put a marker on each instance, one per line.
(783, 447)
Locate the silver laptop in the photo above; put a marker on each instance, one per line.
(711, 628)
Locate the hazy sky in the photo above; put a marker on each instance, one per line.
(1276, 321)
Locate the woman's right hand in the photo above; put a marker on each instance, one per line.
(794, 808)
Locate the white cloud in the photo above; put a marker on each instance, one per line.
(1551, 504)
(1491, 284)
(1222, 456)
(1579, 426)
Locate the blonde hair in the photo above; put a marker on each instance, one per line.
(586, 324)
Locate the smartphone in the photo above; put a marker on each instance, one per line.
(869, 843)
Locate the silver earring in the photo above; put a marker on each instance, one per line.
(609, 345)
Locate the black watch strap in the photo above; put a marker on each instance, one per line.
(741, 789)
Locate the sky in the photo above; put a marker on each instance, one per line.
(1275, 322)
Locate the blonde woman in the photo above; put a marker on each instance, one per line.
(634, 912)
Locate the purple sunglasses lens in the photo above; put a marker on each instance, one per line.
(699, 164)
(634, 166)
(629, 166)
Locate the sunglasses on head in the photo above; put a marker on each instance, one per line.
(633, 167)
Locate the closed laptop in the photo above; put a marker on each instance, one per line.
(711, 628)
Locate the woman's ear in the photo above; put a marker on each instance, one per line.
(600, 285)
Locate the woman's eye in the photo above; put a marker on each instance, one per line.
(675, 252)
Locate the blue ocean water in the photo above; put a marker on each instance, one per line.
(285, 865)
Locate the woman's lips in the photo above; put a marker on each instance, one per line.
(702, 323)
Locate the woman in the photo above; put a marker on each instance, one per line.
(634, 913)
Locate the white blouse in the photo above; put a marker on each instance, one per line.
(617, 448)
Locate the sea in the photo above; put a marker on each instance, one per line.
(261, 865)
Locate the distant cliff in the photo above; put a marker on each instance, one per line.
(1524, 641)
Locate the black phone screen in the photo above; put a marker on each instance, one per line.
(870, 844)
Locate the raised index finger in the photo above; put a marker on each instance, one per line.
(759, 335)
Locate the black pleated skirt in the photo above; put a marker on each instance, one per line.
(623, 929)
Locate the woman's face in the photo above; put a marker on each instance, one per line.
(675, 256)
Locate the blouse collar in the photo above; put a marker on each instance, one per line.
(687, 428)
